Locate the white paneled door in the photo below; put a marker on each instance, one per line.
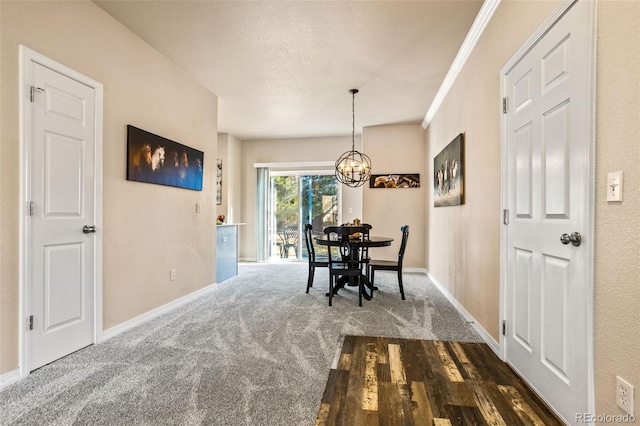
(548, 142)
(62, 180)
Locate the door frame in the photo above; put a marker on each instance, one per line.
(26, 58)
(590, 178)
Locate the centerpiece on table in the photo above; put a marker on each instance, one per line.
(220, 219)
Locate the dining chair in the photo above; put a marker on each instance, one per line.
(313, 261)
(347, 261)
(391, 265)
(287, 238)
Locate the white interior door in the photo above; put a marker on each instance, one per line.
(62, 183)
(548, 143)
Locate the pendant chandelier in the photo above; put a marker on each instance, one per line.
(353, 168)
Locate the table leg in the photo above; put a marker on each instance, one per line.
(361, 280)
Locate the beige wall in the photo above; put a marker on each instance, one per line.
(466, 238)
(617, 263)
(397, 149)
(289, 150)
(147, 229)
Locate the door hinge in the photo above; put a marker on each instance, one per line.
(505, 216)
(504, 105)
(504, 327)
(32, 208)
(31, 322)
(35, 89)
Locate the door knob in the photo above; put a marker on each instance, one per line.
(88, 229)
(575, 239)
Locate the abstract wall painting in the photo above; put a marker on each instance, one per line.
(395, 180)
(448, 176)
(154, 159)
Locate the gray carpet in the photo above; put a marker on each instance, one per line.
(255, 351)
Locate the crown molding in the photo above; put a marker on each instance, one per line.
(482, 20)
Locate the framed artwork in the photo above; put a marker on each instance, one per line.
(219, 182)
(448, 174)
(396, 180)
(154, 159)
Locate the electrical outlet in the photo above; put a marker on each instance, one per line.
(172, 275)
(197, 207)
(624, 395)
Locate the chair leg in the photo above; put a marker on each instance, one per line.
(310, 279)
(400, 283)
(330, 289)
(360, 285)
(372, 276)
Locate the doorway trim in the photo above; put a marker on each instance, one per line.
(26, 58)
(538, 34)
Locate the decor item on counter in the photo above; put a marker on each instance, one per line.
(220, 219)
(396, 180)
(154, 159)
(448, 174)
(219, 182)
(353, 168)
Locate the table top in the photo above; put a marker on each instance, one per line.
(373, 241)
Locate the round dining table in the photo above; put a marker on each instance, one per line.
(372, 241)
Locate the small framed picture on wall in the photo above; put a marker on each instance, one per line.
(448, 174)
(219, 182)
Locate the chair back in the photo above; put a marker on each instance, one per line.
(365, 249)
(291, 235)
(347, 247)
(403, 244)
(308, 240)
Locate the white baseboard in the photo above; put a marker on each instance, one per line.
(140, 319)
(9, 378)
(489, 340)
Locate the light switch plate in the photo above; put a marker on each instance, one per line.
(614, 186)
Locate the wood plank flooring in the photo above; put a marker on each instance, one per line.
(384, 381)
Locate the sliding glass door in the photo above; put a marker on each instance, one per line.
(284, 219)
(298, 198)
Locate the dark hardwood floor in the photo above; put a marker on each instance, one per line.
(383, 381)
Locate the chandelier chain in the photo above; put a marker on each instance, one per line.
(353, 121)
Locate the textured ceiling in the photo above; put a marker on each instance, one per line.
(283, 69)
